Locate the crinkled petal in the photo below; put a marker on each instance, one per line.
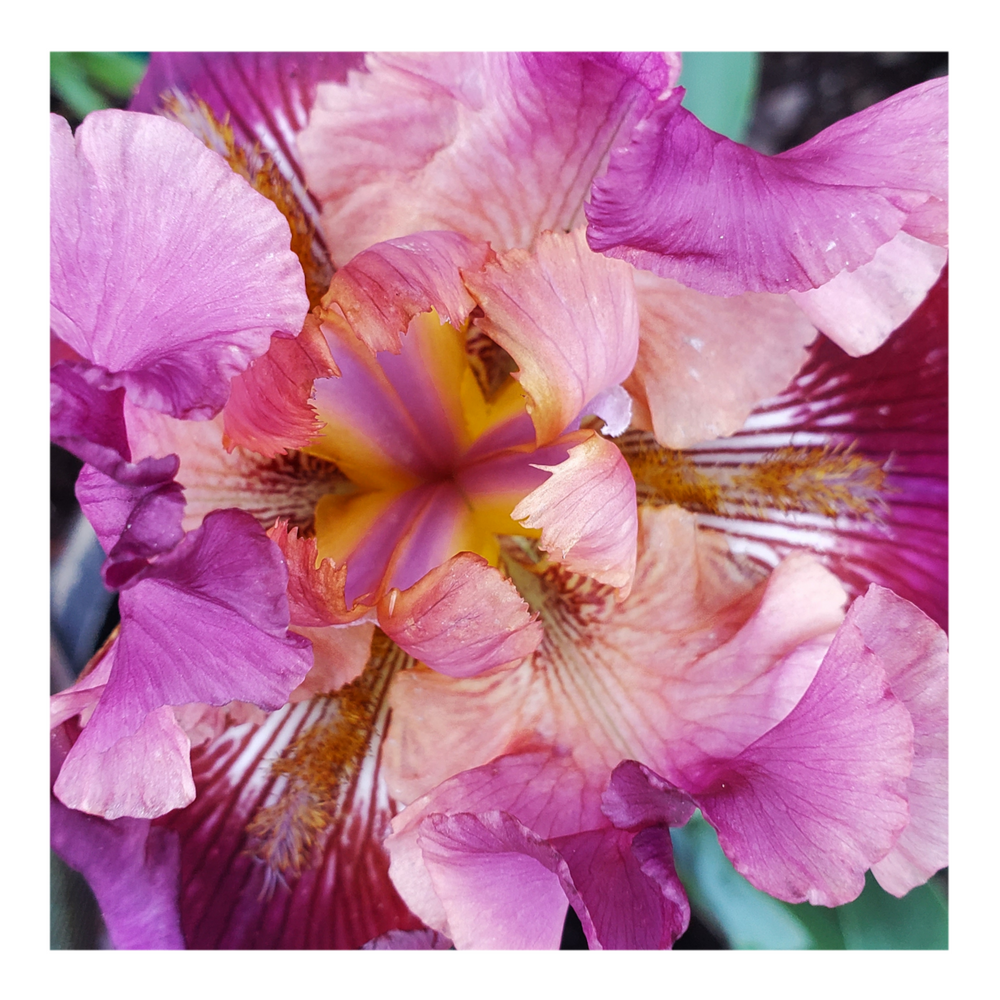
(381, 289)
(805, 810)
(859, 309)
(914, 652)
(268, 409)
(705, 362)
(587, 514)
(498, 146)
(461, 618)
(89, 422)
(168, 271)
(892, 406)
(132, 523)
(637, 797)
(567, 318)
(132, 868)
(689, 204)
(206, 622)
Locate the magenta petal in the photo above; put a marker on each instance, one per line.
(169, 272)
(418, 940)
(892, 405)
(627, 881)
(689, 204)
(231, 899)
(808, 808)
(381, 289)
(637, 797)
(914, 652)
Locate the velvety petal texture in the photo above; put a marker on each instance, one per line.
(566, 317)
(498, 146)
(689, 204)
(133, 196)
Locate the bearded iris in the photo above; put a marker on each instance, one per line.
(487, 527)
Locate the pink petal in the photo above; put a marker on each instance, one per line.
(420, 940)
(169, 272)
(497, 146)
(805, 810)
(567, 316)
(892, 405)
(859, 309)
(500, 885)
(691, 205)
(131, 867)
(705, 362)
(914, 652)
(231, 899)
(204, 623)
(268, 410)
(461, 618)
(586, 511)
(637, 797)
(381, 289)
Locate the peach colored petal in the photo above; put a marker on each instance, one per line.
(381, 289)
(697, 660)
(859, 309)
(705, 361)
(586, 512)
(461, 618)
(567, 316)
(268, 409)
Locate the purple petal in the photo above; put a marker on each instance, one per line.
(805, 811)
(637, 797)
(206, 623)
(893, 406)
(131, 867)
(689, 204)
(627, 881)
(132, 523)
(169, 272)
(496, 146)
(89, 422)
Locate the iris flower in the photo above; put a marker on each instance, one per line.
(381, 369)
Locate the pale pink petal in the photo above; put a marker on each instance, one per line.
(805, 810)
(381, 289)
(914, 652)
(497, 146)
(587, 514)
(461, 618)
(268, 410)
(81, 698)
(859, 309)
(169, 272)
(498, 883)
(705, 362)
(689, 204)
(567, 318)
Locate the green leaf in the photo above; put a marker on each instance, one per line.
(878, 920)
(722, 89)
(89, 81)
